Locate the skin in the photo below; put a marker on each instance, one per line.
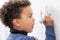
(26, 21)
(48, 21)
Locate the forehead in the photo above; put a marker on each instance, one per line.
(27, 10)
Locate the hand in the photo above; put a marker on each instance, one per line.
(48, 21)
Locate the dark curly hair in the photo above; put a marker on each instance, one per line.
(12, 10)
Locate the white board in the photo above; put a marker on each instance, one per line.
(54, 10)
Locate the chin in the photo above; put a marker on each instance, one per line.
(30, 31)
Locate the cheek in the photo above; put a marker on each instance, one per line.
(27, 21)
(27, 24)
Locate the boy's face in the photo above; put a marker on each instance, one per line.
(26, 22)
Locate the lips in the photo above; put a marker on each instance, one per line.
(33, 26)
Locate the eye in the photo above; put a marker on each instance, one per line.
(30, 15)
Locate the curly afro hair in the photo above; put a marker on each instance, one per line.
(12, 10)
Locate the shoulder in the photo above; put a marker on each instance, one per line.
(19, 37)
(29, 38)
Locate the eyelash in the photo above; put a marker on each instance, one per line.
(30, 16)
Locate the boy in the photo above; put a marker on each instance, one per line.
(17, 15)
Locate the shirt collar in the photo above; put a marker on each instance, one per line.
(14, 31)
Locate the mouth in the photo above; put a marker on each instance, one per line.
(33, 26)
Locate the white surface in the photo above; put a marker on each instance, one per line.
(54, 10)
(2, 32)
(39, 29)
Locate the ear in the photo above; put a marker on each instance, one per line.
(16, 22)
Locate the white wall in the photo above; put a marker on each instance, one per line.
(56, 16)
(54, 10)
(39, 29)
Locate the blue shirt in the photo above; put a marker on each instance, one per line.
(50, 35)
(19, 37)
